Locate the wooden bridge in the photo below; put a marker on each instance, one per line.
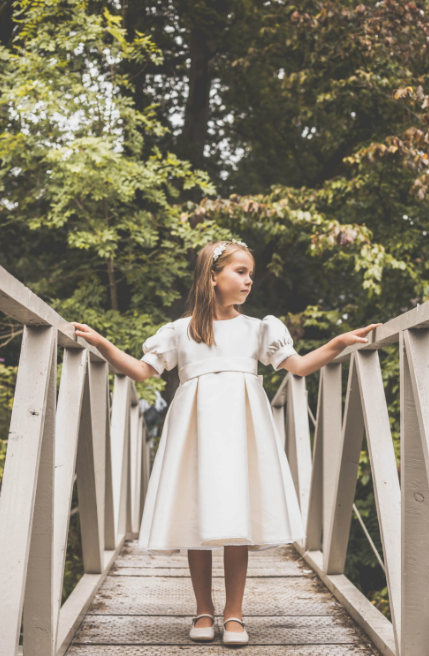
(145, 606)
(297, 599)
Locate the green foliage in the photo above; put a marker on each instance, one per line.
(73, 160)
(73, 570)
(7, 387)
(317, 138)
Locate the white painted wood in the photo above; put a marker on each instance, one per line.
(76, 606)
(315, 505)
(280, 396)
(414, 363)
(128, 511)
(375, 625)
(415, 343)
(389, 332)
(109, 514)
(67, 430)
(136, 425)
(279, 420)
(145, 466)
(110, 465)
(86, 489)
(22, 304)
(119, 450)
(385, 476)
(298, 441)
(39, 624)
(332, 421)
(98, 386)
(337, 535)
(20, 477)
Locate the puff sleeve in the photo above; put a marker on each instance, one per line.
(275, 342)
(160, 350)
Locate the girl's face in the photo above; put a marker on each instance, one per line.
(233, 284)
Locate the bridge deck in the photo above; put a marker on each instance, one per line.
(145, 605)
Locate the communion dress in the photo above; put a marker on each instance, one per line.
(220, 476)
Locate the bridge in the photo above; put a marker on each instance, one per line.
(298, 600)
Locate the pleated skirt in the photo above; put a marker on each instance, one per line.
(220, 476)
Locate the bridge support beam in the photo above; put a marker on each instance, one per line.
(31, 438)
(414, 362)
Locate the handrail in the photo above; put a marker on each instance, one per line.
(326, 481)
(49, 441)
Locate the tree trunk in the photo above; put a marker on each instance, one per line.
(7, 26)
(112, 284)
(197, 109)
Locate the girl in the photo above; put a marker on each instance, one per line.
(220, 477)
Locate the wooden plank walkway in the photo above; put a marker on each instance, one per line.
(145, 605)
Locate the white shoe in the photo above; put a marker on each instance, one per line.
(202, 635)
(233, 637)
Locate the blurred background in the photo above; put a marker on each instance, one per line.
(131, 133)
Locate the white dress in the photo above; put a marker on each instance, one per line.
(220, 476)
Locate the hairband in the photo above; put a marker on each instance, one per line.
(220, 249)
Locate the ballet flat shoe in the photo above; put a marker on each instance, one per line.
(204, 634)
(232, 637)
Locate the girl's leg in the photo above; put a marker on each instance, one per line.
(235, 563)
(200, 565)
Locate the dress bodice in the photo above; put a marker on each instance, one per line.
(240, 343)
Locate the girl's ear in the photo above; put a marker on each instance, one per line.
(213, 278)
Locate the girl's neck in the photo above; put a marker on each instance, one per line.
(225, 312)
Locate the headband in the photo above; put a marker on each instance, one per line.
(220, 249)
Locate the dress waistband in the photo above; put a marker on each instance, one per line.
(217, 365)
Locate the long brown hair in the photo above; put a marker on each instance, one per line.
(201, 302)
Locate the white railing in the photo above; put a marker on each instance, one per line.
(326, 483)
(49, 440)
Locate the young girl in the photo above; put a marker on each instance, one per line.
(220, 476)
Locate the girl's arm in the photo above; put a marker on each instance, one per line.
(303, 365)
(126, 364)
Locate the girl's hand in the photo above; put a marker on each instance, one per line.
(357, 336)
(90, 335)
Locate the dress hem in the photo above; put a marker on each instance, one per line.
(267, 545)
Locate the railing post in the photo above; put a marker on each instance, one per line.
(331, 431)
(337, 536)
(31, 431)
(145, 468)
(89, 511)
(298, 447)
(414, 363)
(327, 441)
(39, 606)
(67, 430)
(119, 451)
(109, 511)
(384, 475)
(98, 387)
(136, 447)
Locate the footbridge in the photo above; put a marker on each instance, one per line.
(298, 600)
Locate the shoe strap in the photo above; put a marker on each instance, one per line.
(234, 619)
(195, 619)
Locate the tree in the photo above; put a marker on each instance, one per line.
(73, 172)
